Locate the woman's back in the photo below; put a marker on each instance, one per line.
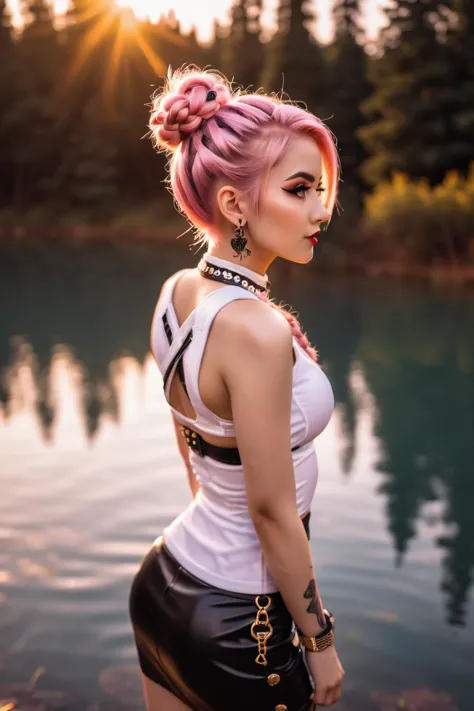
(182, 296)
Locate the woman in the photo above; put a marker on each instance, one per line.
(225, 609)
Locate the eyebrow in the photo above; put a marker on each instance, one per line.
(302, 174)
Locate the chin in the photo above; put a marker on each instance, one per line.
(300, 260)
(308, 256)
(302, 256)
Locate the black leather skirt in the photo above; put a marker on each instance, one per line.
(195, 640)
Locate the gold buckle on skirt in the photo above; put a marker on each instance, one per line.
(262, 620)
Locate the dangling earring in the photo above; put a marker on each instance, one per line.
(238, 242)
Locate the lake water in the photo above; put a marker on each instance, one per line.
(90, 474)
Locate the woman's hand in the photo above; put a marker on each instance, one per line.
(327, 673)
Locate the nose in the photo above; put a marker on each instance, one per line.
(320, 214)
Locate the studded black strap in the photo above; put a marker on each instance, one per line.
(228, 276)
(227, 455)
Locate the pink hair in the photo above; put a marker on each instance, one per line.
(215, 132)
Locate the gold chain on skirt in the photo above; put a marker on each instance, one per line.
(262, 620)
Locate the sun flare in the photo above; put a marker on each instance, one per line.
(144, 9)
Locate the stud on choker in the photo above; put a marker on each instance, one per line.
(227, 272)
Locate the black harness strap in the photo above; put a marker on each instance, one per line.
(167, 328)
(180, 368)
(177, 360)
(227, 455)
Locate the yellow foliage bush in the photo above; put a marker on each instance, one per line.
(429, 223)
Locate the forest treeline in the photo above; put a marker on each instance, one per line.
(74, 103)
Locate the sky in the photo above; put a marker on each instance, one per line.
(201, 14)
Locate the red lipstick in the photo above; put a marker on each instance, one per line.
(313, 238)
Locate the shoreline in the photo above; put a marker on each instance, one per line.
(88, 232)
(436, 273)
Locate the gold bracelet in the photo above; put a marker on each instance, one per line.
(318, 645)
(323, 640)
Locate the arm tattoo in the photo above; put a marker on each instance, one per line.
(315, 606)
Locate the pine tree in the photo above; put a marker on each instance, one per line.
(297, 61)
(86, 177)
(39, 39)
(217, 47)
(231, 56)
(409, 115)
(349, 87)
(90, 33)
(460, 40)
(95, 93)
(34, 116)
(251, 50)
(9, 82)
(242, 51)
(347, 18)
(6, 38)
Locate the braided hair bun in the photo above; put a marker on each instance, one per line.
(188, 98)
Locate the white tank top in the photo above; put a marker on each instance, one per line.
(214, 538)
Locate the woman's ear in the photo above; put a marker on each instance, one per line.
(228, 199)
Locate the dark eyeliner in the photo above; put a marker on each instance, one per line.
(297, 189)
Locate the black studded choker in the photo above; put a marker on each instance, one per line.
(227, 272)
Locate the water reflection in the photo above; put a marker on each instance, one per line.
(87, 307)
(63, 400)
(74, 355)
(60, 394)
(417, 354)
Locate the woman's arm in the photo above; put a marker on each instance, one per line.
(184, 451)
(257, 369)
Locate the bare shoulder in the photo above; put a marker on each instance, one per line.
(252, 327)
(172, 277)
(255, 345)
(163, 287)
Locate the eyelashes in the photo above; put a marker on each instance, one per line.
(301, 190)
